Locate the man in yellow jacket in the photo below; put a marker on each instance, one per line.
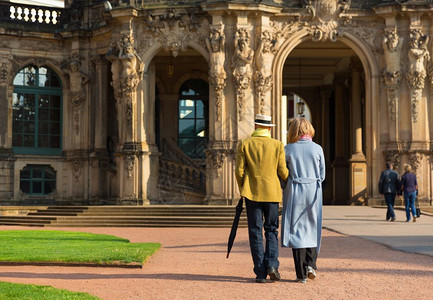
(260, 164)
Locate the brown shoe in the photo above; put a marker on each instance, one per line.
(414, 219)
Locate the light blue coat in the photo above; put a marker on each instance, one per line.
(302, 199)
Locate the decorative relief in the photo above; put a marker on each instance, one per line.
(217, 74)
(415, 160)
(5, 67)
(77, 165)
(215, 159)
(325, 16)
(241, 64)
(392, 45)
(418, 57)
(174, 30)
(129, 165)
(394, 157)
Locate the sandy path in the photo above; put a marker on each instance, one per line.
(192, 265)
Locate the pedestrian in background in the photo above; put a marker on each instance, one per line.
(301, 227)
(260, 165)
(409, 187)
(389, 185)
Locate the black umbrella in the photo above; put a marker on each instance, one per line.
(232, 235)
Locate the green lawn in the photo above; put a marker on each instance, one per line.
(12, 291)
(71, 247)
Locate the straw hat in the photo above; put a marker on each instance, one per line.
(263, 120)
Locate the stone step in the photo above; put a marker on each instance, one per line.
(132, 216)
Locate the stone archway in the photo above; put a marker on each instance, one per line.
(355, 163)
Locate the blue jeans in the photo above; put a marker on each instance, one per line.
(263, 258)
(390, 200)
(409, 204)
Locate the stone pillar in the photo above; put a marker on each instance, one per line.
(357, 162)
(325, 94)
(340, 178)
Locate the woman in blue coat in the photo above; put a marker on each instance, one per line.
(301, 227)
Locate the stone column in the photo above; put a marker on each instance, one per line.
(357, 162)
(325, 94)
(340, 178)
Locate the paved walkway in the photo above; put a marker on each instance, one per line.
(369, 223)
(191, 263)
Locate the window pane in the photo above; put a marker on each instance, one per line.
(49, 187)
(54, 80)
(29, 141)
(50, 173)
(186, 128)
(18, 127)
(44, 128)
(29, 100)
(55, 142)
(29, 127)
(200, 128)
(186, 113)
(25, 186)
(30, 76)
(37, 187)
(17, 140)
(55, 101)
(55, 128)
(19, 79)
(37, 172)
(43, 141)
(54, 115)
(200, 109)
(44, 101)
(25, 173)
(43, 114)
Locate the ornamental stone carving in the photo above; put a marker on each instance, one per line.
(77, 165)
(392, 45)
(175, 29)
(325, 17)
(265, 53)
(215, 159)
(5, 67)
(242, 70)
(217, 74)
(129, 165)
(415, 160)
(127, 71)
(418, 57)
(393, 157)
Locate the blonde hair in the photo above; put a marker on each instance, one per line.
(299, 127)
(407, 168)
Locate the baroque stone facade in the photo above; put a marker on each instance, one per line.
(142, 102)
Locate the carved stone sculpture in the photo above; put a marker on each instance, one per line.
(418, 57)
(241, 64)
(263, 76)
(325, 15)
(127, 70)
(217, 75)
(392, 45)
(78, 81)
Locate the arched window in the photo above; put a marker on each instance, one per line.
(37, 180)
(37, 112)
(193, 118)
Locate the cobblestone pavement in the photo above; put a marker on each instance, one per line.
(191, 265)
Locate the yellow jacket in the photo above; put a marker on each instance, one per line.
(260, 162)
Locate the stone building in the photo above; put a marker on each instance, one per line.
(142, 102)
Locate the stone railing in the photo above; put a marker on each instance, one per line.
(178, 172)
(37, 16)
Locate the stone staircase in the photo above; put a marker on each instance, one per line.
(128, 216)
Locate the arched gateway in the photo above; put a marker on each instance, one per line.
(156, 95)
